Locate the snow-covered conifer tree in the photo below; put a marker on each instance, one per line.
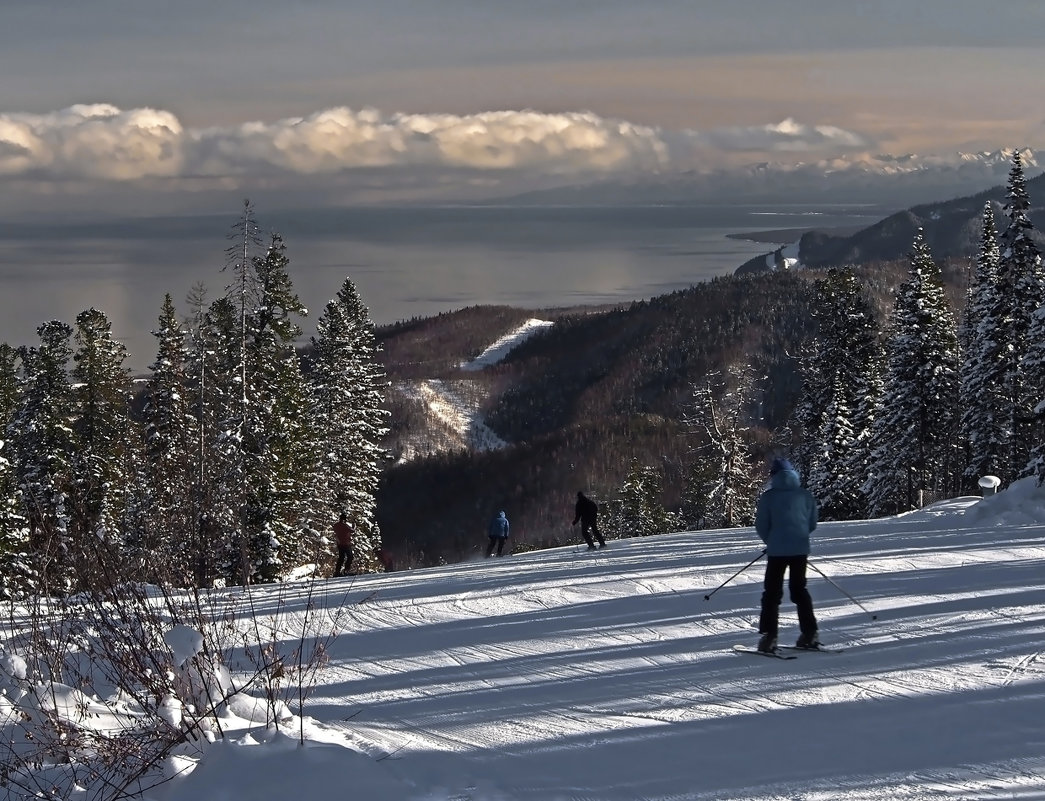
(638, 510)
(1021, 291)
(169, 539)
(102, 462)
(985, 417)
(40, 429)
(232, 358)
(1034, 368)
(16, 572)
(217, 404)
(277, 437)
(914, 435)
(839, 392)
(348, 384)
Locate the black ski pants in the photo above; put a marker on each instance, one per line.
(773, 594)
(344, 560)
(588, 528)
(496, 542)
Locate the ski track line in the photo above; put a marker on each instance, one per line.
(1021, 668)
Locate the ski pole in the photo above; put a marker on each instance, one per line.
(724, 583)
(847, 595)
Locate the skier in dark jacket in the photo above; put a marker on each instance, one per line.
(587, 512)
(498, 533)
(785, 516)
(343, 531)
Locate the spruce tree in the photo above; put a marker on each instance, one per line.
(16, 571)
(915, 430)
(218, 403)
(348, 384)
(103, 461)
(43, 455)
(168, 538)
(277, 439)
(1021, 291)
(638, 511)
(232, 428)
(984, 412)
(1034, 369)
(839, 386)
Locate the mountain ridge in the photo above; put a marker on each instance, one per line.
(903, 180)
(951, 229)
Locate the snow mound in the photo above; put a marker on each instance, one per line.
(1022, 504)
(285, 768)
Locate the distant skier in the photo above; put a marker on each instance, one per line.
(587, 512)
(343, 532)
(498, 533)
(785, 516)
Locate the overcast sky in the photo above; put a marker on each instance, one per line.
(386, 100)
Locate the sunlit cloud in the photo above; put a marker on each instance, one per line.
(104, 142)
(92, 141)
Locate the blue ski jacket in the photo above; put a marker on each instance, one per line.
(499, 527)
(785, 516)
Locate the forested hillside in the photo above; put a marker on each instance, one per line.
(578, 403)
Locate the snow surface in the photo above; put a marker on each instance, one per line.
(785, 258)
(561, 675)
(502, 347)
(455, 404)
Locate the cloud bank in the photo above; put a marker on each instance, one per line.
(788, 136)
(103, 142)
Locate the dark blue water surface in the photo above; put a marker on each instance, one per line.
(406, 261)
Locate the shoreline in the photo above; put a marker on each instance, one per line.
(787, 236)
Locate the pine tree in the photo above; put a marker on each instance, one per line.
(638, 511)
(347, 392)
(1021, 291)
(43, 453)
(211, 372)
(16, 571)
(218, 403)
(1034, 369)
(984, 421)
(839, 380)
(232, 431)
(277, 439)
(915, 430)
(168, 537)
(102, 458)
(838, 493)
(858, 463)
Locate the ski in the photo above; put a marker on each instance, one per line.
(822, 649)
(743, 649)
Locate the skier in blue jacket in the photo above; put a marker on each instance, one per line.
(785, 516)
(498, 533)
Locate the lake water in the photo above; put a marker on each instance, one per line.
(406, 261)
